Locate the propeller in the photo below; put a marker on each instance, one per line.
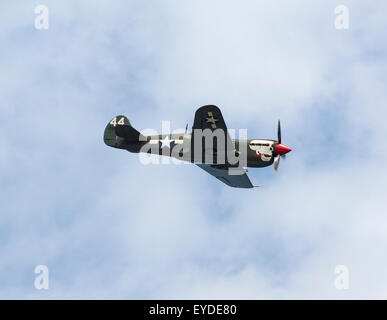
(280, 149)
(279, 131)
(276, 162)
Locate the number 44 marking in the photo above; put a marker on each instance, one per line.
(120, 122)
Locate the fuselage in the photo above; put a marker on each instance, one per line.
(257, 152)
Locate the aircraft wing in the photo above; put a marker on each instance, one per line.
(240, 180)
(209, 117)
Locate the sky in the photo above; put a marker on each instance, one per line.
(108, 227)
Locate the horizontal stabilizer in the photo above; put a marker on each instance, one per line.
(129, 133)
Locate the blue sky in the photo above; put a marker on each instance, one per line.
(107, 226)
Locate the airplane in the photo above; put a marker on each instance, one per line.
(221, 156)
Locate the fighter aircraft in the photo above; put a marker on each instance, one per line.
(209, 146)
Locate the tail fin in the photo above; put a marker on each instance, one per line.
(119, 133)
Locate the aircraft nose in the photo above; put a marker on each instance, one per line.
(281, 149)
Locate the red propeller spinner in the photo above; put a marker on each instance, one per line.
(281, 149)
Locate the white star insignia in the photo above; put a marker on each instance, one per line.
(166, 142)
